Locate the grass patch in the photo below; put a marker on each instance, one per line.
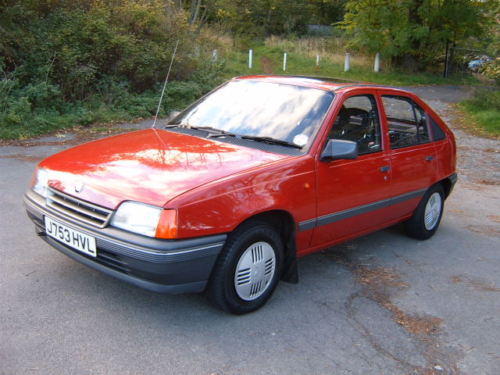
(484, 109)
(269, 60)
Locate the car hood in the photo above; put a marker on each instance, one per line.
(151, 166)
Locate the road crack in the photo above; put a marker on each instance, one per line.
(378, 284)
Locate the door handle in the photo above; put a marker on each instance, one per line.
(429, 158)
(385, 168)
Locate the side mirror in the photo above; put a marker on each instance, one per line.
(339, 149)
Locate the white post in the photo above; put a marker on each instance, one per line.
(317, 60)
(250, 58)
(284, 61)
(376, 66)
(347, 62)
(214, 55)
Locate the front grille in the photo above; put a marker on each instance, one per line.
(77, 209)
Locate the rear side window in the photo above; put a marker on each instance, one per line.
(407, 121)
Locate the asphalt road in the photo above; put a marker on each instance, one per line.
(382, 304)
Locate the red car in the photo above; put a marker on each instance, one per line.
(259, 172)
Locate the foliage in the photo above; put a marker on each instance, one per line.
(491, 41)
(414, 32)
(484, 108)
(65, 63)
(83, 49)
(20, 118)
(260, 18)
(492, 70)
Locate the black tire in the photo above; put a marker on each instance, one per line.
(221, 289)
(416, 226)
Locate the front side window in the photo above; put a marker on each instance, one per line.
(264, 109)
(358, 121)
(406, 120)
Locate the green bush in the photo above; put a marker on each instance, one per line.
(492, 70)
(76, 63)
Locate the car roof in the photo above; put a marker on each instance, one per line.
(321, 83)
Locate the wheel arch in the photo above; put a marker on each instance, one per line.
(284, 223)
(448, 184)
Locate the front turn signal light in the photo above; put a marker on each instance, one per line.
(167, 226)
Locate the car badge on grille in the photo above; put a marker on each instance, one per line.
(79, 187)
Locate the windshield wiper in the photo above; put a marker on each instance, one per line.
(271, 140)
(213, 132)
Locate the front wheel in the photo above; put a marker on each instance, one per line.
(426, 218)
(248, 269)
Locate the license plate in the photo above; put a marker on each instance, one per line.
(70, 237)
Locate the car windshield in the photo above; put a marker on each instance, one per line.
(261, 109)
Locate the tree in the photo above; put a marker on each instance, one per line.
(262, 17)
(412, 32)
(83, 46)
(259, 18)
(327, 12)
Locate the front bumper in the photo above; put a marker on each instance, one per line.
(166, 266)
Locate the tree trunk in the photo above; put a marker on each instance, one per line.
(412, 60)
(203, 19)
(195, 10)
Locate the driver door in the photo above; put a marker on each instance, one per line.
(352, 194)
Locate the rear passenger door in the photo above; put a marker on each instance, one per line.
(412, 154)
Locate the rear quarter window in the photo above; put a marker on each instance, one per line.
(437, 132)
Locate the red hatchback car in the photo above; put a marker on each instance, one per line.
(259, 172)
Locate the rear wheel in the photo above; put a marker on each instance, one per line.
(426, 218)
(248, 269)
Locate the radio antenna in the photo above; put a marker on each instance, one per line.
(165, 83)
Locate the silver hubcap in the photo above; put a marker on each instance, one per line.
(254, 271)
(432, 211)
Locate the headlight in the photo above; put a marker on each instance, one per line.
(41, 181)
(137, 217)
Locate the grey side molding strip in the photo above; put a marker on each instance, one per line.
(345, 214)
